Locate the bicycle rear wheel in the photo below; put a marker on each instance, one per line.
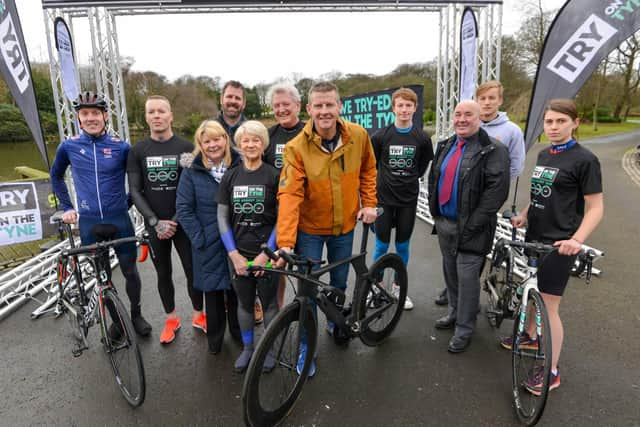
(497, 304)
(381, 299)
(71, 300)
(531, 366)
(121, 345)
(269, 393)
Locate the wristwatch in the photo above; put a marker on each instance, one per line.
(153, 221)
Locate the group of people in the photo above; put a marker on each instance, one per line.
(303, 186)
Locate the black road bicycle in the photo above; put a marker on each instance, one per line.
(271, 389)
(101, 306)
(520, 299)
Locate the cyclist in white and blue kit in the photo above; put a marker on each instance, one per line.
(98, 163)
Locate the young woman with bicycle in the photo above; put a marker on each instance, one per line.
(565, 208)
(197, 213)
(247, 212)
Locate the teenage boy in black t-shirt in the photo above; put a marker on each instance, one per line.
(153, 169)
(403, 153)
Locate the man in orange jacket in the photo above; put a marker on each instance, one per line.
(327, 182)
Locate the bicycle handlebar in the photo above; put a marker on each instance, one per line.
(106, 245)
(276, 256)
(588, 255)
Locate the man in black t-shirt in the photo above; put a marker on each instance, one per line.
(153, 169)
(285, 103)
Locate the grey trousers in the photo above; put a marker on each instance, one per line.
(462, 276)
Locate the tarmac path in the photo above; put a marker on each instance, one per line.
(410, 380)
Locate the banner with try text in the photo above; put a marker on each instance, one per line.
(373, 110)
(583, 33)
(15, 68)
(25, 209)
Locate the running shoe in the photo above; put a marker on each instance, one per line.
(408, 304)
(526, 342)
(200, 322)
(301, 358)
(534, 383)
(171, 326)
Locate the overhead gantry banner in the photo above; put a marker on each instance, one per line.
(237, 3)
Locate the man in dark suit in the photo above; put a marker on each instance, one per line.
(468, 184)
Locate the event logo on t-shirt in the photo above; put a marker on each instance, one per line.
(278, 162)
(542, 180)
(248, 199)
(401, 156)
(162, 169)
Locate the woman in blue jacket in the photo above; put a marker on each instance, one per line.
(197, 211)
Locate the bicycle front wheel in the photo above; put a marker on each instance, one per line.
(381, 299)
(121, 345)
(531, 363)
(272, 383)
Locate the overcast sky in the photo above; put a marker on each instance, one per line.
(262, 47)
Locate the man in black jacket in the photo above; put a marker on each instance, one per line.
(468, 184)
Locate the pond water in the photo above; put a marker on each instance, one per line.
(26, 153)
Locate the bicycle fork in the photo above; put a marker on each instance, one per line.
(522, 318)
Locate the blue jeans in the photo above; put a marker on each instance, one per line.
(338, 248)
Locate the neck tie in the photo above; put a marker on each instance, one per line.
(450, 174)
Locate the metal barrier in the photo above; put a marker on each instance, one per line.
(26, 281)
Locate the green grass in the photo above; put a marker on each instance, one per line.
(585, 131)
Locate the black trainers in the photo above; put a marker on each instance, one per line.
(142, 327)
(443, 298)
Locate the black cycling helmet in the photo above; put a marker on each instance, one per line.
(89, 100)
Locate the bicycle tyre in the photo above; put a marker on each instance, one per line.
(70, 287)
(525, 362)
(268, 397)
(376, 292)
(123, 350)
(497, 310)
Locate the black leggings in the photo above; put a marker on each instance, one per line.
(245, 287)
(402, 218)
(162, 263)
(132, 281)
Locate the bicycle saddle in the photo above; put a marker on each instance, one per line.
(104, 232)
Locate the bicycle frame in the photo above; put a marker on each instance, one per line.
(310, 289)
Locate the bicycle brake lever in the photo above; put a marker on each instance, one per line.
(589, 268)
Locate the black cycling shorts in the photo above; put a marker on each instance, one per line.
(554, 272)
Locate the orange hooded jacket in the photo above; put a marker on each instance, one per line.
(321, 192)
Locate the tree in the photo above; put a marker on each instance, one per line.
(532, 33)
(514, 78)
(253, 109)
(625, 59)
